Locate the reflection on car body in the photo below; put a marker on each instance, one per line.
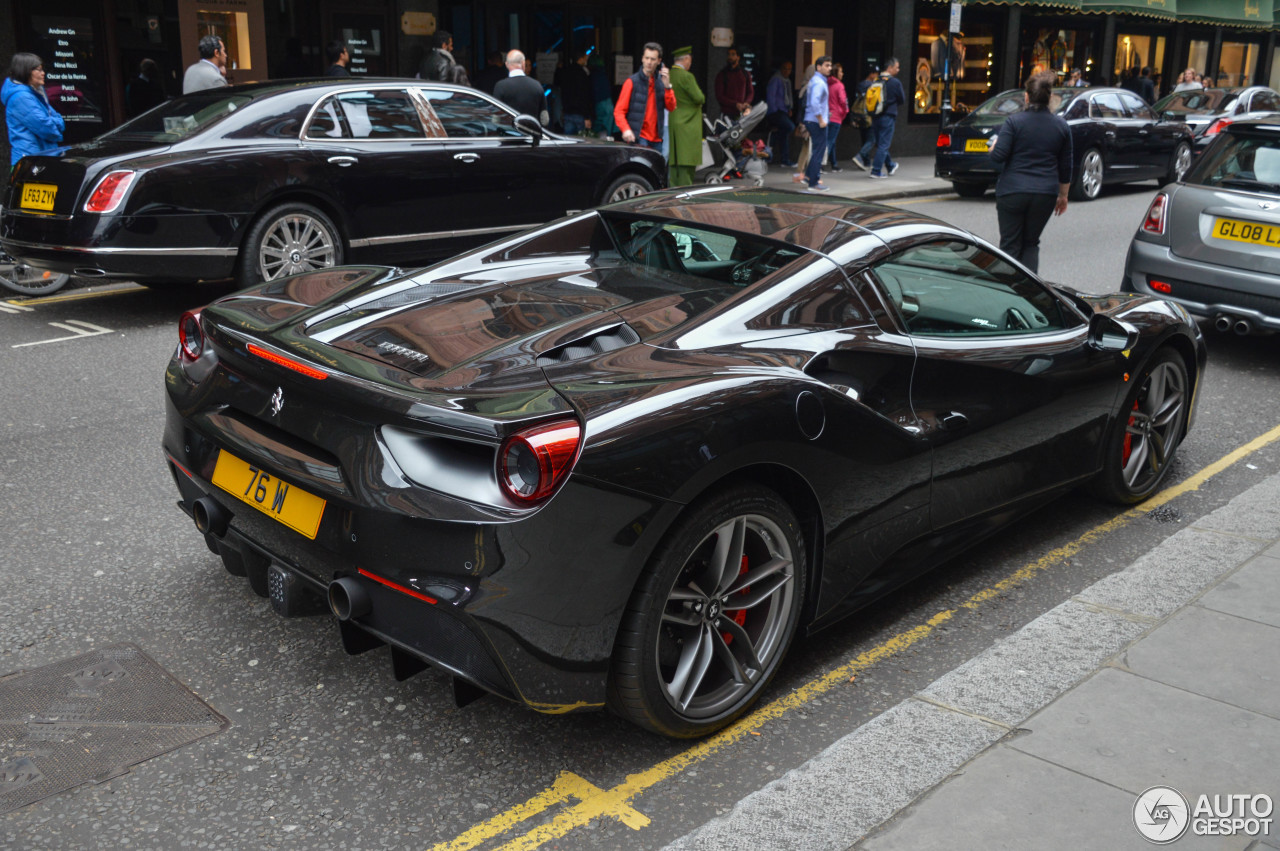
(623, 459)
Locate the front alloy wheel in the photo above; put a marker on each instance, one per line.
(713, 617)
(1147, 431)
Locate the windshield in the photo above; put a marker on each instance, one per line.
(1195, 102)
(181, 117)
(1000, 107)
(1003, 104)
(1242, 160)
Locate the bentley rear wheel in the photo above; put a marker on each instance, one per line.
(625, 187)
(712, 616)
(288, 240)
(1088, 182)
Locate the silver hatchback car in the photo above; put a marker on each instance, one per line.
(1212, 242)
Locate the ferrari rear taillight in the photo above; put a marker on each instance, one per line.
(532, 463)
(109, 192)
(944, 140)
(190, 335)
(1154, 222)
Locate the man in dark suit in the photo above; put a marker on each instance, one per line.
(1147, 86)
(520, 91)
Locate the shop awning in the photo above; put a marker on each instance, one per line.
(1065, 6)
(1166, 10)
(1251, 14)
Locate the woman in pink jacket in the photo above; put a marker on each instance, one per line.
(839, 109)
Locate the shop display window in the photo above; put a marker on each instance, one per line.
(1051, 48)
(1237, 64)
(1136, 51)
(971, 66)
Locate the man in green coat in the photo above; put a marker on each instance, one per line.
(685, 132)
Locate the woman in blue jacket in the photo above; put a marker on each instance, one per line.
(35, 127)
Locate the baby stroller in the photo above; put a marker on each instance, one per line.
(724, 149)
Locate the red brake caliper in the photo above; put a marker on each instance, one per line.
(1128, 440)
(740, 616)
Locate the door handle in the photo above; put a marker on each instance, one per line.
(466, 158)
(343, 162)
(953, 420)
(1111, 132)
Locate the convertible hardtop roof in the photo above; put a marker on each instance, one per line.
(819, 223)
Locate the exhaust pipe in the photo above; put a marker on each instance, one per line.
(348, 599)
(1222, 322)
(210, 517)
(90, 272)
(1243, 327)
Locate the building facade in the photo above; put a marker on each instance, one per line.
(93, 49)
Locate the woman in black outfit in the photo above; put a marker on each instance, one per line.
(1033, 153)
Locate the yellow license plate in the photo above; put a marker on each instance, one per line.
(276, 498)
(1250, 232)
(979, 145)
(38, 196)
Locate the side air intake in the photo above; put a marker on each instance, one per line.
(617, 337)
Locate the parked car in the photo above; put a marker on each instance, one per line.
(267, 180)
(600, 465)
(1115, 138)
(1212, 243)
(1207, 111)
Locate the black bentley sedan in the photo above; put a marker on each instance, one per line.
(261, 181)
(622, 460)
(1115, 138)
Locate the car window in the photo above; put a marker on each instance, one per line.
(1242, 161)
(951, 288)
(1106, 105)
(181, 117)
(1078, 108)
(1136, 107)
(1264, 102)
(465, 115)
(327, 122)
(380, 114)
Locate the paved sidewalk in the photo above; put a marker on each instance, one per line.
(913, 177)
(1163, 674)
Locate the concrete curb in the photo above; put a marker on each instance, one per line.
(878, 769)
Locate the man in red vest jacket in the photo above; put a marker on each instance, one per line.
(636, 112)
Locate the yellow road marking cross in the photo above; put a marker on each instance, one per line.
(616, 802)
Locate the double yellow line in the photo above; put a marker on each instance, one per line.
(594, 802)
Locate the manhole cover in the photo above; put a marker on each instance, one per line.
(91, 718)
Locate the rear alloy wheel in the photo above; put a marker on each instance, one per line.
(1143, 439)
(1088, 182)
(969, 190)
(712, 616)
(1179, 164)
(625, 187)
(288, 240)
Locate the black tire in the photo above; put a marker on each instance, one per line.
(287, 240)
(627, 186)
(27, 280)
(969, 190)
(1179, 164)
(671, 626)
(1142, 440)
(1087, 182)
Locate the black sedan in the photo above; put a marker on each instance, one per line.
(623, 459)
(1208, 111)
(1115, 138)
(267, 180)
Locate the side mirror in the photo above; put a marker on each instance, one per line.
(1111, 335)
(530, 126)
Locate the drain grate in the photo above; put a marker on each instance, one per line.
(91, 718)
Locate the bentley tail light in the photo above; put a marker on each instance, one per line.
(1217, 126)
(109, 192)
(1154, 222)
(190, 336)
(533, 462)
(944, 140)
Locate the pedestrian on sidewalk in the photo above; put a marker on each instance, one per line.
(867, 152)
(35, 127)
(817, 115)
(839, 109)
(779, 100)
(643, 94)
(734, 88)
(1033, 154)
(686, 120)
(520, 91)
(887, 120)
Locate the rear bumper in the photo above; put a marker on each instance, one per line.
(172, 247)
(1204, 290)
(967, 168)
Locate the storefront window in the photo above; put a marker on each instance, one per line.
(1050, 48)
(1275, 68)
(1237, 64)
(971, 66)
(1135, 51)
(1198, 55)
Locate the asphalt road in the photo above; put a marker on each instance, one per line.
(326, 750)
